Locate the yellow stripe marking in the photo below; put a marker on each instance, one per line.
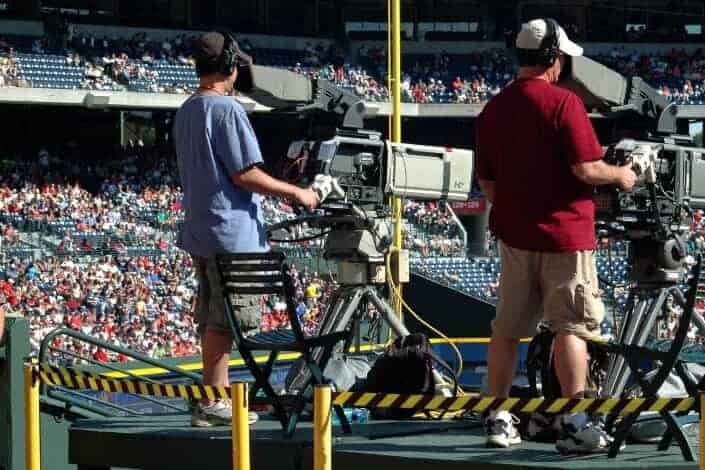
(364, 399)
(583, 405)
(532, 405)
(435, 402)
(67, 378)
(411, 401)
(557, 405)
(195, 392)
(632, 406)
(659, 404)
(170, 390)
(483, 404)
(685, 404)
(118, 386)
(222, 392)
(183, 392)
(508, 403)
(143, 388)
(607, 406)
(342, 398)
(91, 384)
(131, 387)
(459, 403)
(80, 382)
(388, 400)
(157, 390)
(57, 378)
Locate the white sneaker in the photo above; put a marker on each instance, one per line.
(501, 429)
(582, 436)
(219, 413)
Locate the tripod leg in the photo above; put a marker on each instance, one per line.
(386, 312)
(676, 432)
(617, 363)
(620, 434)
(638, 325)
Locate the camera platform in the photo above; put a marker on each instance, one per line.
(169, 442)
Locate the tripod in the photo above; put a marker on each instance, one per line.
(355, 243)
(656, 275)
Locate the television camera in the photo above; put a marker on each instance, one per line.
(368, 168)
(364, 169)
(355, 172)
(655, 216)
(654, 219)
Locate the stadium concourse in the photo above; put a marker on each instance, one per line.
(166, 66)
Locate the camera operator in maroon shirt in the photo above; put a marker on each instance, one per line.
(538, 160)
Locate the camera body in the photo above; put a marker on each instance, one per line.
(369, 169)
(671, 181)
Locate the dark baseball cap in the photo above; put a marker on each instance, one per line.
(210, 46)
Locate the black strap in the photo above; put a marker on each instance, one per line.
(435, 358)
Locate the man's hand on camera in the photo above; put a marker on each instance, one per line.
(308, 198)
(627, 178)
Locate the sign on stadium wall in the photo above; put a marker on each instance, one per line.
(473, 206)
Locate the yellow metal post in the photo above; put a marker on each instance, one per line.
(240, 427)
(31, 416)
(395, 93)
(702, 431)
(322, 428)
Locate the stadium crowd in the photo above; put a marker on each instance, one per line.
(117, 63)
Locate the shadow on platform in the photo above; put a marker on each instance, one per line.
(167, 442)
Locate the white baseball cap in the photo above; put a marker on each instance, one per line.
(533, 32)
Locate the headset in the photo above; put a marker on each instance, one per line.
(227, 61)
(548, 50)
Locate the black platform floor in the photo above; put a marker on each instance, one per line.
(167, 442)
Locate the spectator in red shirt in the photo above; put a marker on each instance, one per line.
(101, 356)
(538, 159)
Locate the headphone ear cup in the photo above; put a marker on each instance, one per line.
(551, 52)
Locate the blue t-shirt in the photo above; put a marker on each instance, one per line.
(214, 140)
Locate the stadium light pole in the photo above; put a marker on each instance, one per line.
(394, 48)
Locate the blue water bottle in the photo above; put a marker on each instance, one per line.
(354, 415)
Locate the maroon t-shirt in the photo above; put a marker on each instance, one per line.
(528, 137)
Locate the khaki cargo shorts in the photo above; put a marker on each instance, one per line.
(210, 310)
(560, 288)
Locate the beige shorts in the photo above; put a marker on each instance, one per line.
(560, 288)
(210, 310)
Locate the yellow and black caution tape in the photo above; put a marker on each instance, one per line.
(515, 405)
(81, 380)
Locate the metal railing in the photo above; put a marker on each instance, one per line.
(102, 405)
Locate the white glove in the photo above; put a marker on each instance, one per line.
(324, 185)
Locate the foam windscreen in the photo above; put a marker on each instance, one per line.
(599, 87)
(275, 88)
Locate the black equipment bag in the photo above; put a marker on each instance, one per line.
(406, 367)
(540, 361)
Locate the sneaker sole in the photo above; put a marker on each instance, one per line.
(565, 450)
(213, 422)
(501, 442)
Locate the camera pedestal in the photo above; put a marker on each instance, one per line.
(655, 285)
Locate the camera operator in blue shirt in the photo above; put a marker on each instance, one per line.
(219, 164)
